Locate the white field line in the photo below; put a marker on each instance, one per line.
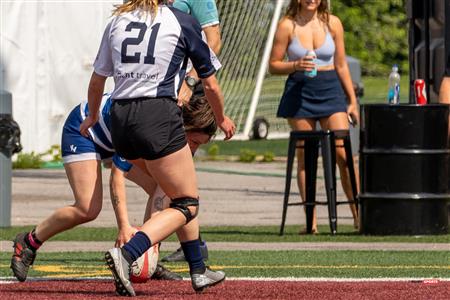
(7, 280)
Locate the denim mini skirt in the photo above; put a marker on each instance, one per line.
(316, 97)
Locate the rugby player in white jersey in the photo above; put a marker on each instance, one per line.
(200, 126)
(145, 48)
(205, 12)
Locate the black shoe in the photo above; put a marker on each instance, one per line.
(161, 273)
(178, 255)
(23, 257)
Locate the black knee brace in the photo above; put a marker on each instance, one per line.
(182, 204)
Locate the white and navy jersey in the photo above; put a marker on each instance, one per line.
(75, 147)
(100, 133)
(148, 57)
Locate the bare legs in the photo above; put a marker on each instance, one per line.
(175, 174)
(336, 121)
(85, 179)
(306, 125)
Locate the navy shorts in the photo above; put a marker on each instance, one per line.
(316, 97)
(148, 128)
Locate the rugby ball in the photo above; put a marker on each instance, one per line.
(144, 267)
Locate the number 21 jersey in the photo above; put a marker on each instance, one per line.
(147, 56)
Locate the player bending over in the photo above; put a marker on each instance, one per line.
(82, 157)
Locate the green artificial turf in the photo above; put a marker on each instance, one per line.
(376, 88)
(272, 264)
(266, 234)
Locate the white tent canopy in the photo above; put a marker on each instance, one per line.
(46, 53)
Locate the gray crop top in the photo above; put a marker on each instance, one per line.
(325, 53)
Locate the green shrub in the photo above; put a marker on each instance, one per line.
(268, 156)
(28, 161)
(376, 33)
(247, 155)
(213, 150)
(54, 153)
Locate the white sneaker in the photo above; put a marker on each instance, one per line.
(207, 279)
(120, 269)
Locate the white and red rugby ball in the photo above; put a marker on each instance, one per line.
(144, 267)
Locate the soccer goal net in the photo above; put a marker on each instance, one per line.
(251, 94)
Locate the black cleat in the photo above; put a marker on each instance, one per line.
(178, 255)
(161, 273)
(22, 258)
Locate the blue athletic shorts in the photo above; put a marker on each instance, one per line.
(121, 163)
(75, 147)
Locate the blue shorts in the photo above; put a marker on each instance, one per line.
(121, 163)
(76, 147)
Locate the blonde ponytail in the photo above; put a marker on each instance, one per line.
(150, 6)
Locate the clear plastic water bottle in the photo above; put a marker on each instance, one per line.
(394, 86)
(313, 72)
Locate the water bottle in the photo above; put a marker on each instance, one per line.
(394, 86)
(313, 72)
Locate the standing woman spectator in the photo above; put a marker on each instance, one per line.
(308, 25)
(145, 48)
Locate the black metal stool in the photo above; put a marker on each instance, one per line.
(311, 145)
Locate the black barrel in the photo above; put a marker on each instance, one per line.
(404, 169)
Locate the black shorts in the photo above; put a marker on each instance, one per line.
(148, 128)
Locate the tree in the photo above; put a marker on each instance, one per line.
(375, 32)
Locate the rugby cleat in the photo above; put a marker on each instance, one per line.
(207, 279)
(22, 258)
(120, 269)
(178, 255)
(161, 273)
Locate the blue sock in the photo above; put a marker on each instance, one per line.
(193, 255)
(138, 244)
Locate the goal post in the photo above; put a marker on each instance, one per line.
(263, 68)
(248, 28)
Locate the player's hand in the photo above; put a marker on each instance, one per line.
(305, 64)
(87, 123)
(124, 235)
(353, 114)
(184, 95)
(228, 127)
